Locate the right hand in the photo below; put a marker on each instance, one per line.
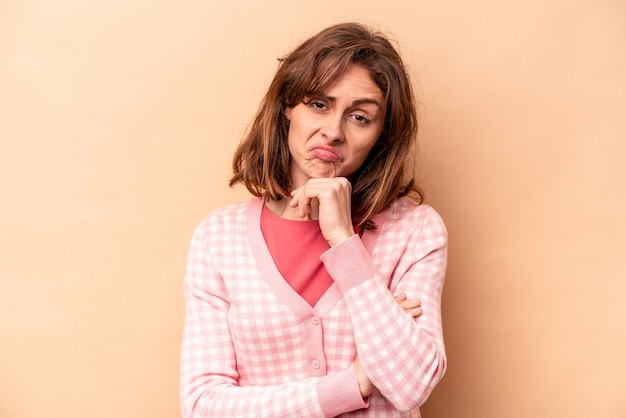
(328, 200)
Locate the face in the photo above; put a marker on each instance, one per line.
(331, 133)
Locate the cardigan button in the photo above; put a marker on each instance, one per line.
(315, 320)
(315, 364)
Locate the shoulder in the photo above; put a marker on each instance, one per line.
(230, 212)
(228, 218)
(406, 213)
(407, 230)
(411, 224)
(415, 228)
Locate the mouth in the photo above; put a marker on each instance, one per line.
(326, 153)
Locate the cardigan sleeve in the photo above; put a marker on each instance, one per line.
(209, 375)
(403, 357)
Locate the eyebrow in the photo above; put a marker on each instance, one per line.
(354, 102)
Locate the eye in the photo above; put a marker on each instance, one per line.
(360, 118)
(317, 105)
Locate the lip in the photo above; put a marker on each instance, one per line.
(326, 153)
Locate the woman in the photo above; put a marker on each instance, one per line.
(290, 308)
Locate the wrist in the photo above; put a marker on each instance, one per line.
(339, 238)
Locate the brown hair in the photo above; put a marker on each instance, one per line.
(262, 159)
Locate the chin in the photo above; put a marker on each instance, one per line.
(325, 172)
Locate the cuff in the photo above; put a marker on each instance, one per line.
(339, 392)
(348, 263)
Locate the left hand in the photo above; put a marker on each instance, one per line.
(328, 200)
(410, 306)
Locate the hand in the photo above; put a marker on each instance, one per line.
(328, 200)
(412, 307)
(365, 385)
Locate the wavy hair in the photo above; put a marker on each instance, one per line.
(262, 160)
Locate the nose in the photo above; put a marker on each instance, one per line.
(333, 128)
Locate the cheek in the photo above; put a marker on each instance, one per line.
(300, 130)
(361, 153)
(295, 138)
(368, 143)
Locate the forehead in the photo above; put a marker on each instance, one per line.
(355, 82)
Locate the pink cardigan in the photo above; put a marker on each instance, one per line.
(252, 347)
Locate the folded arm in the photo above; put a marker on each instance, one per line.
(403, 357)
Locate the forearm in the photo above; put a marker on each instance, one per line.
(404, 358)
(327, 396)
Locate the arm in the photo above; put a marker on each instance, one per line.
(412, 308)
(209, 377)
(403, 358)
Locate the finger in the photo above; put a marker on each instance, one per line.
(300, 200)
(308, 198)
(400, 297)
(415, 312)
(294, 198)
(409, 304)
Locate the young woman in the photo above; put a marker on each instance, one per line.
(290, 307)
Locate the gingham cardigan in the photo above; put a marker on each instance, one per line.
(252, 347)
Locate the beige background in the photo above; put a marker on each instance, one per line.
(117, 124)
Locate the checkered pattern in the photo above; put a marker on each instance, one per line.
(253, 349)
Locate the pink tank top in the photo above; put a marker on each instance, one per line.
(296, 247)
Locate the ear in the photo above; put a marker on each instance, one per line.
(288, 113)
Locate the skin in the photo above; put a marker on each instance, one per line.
(330, 136)
(331, 133)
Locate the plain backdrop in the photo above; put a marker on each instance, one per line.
(118, 120)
